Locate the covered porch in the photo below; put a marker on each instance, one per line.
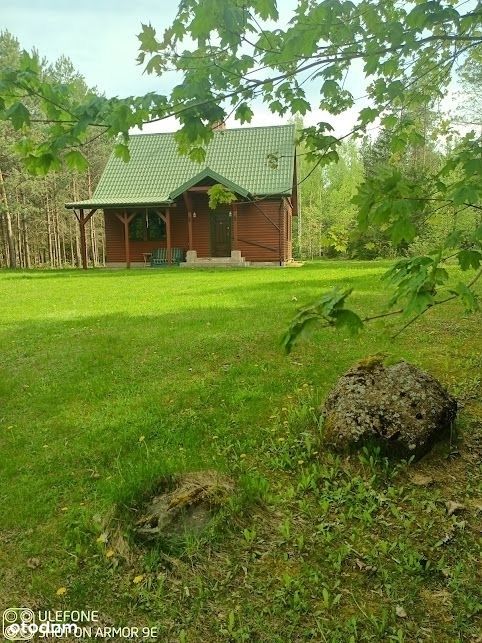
(183, 228)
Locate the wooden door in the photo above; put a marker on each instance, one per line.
(220, 234)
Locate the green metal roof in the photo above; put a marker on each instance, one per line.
(237, 158)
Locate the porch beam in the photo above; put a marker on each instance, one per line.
(90, 215)
(199, 188)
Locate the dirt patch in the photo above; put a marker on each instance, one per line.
(184, 505)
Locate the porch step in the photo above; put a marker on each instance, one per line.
(215, 262)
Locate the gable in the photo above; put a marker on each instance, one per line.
(157, 173)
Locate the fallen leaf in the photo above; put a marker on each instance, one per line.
(454, 507)
(364, 567)
(138, 579)
(109, 553)
(103, 537)
(400, 612)
(33, 563)
(61, 591)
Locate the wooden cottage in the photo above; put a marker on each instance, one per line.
(158, 202)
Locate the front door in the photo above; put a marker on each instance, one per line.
(220, 234)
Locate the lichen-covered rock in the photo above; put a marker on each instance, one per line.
(399, 408)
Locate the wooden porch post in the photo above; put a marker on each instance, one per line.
(234, 211)
(83, 241)
(126, 219)
(83, 218)
(189, 208)
(126, 241)
(189, 223)
(168, 235)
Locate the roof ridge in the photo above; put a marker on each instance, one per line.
(223, 131)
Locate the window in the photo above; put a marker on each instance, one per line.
(147, 226)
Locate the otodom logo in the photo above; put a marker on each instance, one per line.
(18, 624)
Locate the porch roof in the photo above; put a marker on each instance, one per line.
(157, 174)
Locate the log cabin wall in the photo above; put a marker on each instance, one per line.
(264, 231)
(259, 231)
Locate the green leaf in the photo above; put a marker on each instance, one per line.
(418, 303)
(477, 236)
(122, 151)
(368, 115)
(76, 161)
(403, 230)
(18, 115)
(398, 143)
(440, 275)
(330, 88)
(147, 38)
(468, 297)
(219, 194)
(453, 239)
(299, 106)
(267, 9)
(345, 318)
(276, 107)
(244, 113)
(41, 164)
(390, 121)
(155, 65)
(469, 259)
(473, 166)
(395, 89)
(197, 154)
(328, 309)
(465, 194)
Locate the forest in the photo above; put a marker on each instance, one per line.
(35, 228)
(37, 231)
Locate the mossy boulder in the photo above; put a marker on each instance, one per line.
(400, 408)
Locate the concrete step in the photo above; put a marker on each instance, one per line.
(216, 260)
(215, 264)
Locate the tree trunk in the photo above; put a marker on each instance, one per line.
(77, 230)
(10, 238)
(26, 246)
(71, 236)
(55, 213)
(4, 256)
(51, 259)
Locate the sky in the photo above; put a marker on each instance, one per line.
(99, 36)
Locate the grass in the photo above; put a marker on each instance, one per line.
(110, 381)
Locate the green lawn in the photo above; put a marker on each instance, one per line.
(110, 380)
